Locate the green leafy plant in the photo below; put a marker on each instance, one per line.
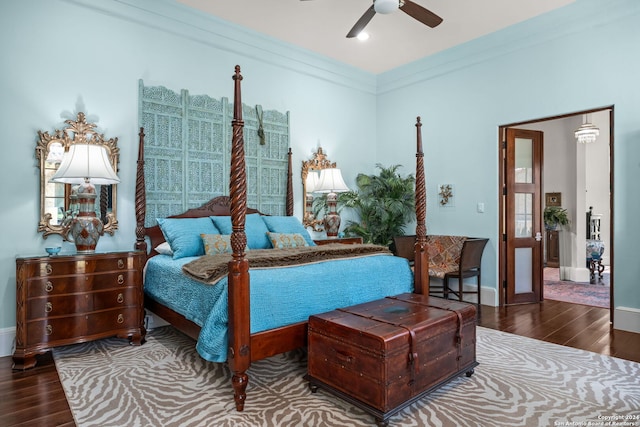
(554, 216)
(384, 203)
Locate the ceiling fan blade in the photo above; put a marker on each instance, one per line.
(362, 22)
(421, 14)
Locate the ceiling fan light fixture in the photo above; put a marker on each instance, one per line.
(386, 6)
(587, 132)
(363, 35)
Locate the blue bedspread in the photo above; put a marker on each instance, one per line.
(279, 296)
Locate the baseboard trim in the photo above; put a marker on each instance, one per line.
(7, 341)
(489, 296)
(575, 274)
(627, 319)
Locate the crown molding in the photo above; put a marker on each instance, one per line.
(575, 18)
(175, 18)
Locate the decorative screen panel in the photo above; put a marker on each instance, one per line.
(188, 151)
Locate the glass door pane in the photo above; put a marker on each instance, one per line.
(524, 160)
(524, 214)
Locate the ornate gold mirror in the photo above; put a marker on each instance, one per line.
(310, 177)
(57, 200)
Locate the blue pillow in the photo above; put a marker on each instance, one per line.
(254, 227)
(287, 225)
(183, 234)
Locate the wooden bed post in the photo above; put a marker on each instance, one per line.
(289, 211)
(421, 263)
(239, 353)
(141, 198)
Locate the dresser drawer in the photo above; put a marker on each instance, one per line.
(105, 321)
(59, 266)
(57, 285)
(60, 328)
(62, 305)
(46, 331)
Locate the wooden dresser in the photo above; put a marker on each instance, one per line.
(69, 299)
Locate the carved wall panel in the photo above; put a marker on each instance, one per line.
(188, 145)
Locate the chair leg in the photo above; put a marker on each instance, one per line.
(445, 287)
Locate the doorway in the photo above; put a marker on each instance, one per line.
(562, 155)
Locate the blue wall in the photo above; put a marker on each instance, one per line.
(64, 56)
(60, 57)
(579, 57)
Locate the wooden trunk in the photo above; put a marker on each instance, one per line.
(384, 355)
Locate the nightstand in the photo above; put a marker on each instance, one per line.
(343, 240)
(69, 299)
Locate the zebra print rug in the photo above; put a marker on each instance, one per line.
(520, 382)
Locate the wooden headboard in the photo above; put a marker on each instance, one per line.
(218, 206)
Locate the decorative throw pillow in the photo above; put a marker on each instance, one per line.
(183, 234)
(216, 244)
(164, 248)
(287, 224)
(284, 240)
(255, 228)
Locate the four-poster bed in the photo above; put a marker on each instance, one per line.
(243, 345)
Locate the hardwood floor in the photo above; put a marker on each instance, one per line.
(35, 397)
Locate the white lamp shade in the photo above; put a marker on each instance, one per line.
(86, 161)
(331, 181)
(311, 183)
(386, 6)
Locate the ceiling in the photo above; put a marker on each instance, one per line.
(396, 39)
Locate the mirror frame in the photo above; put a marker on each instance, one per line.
(78, 131)
(318, 162)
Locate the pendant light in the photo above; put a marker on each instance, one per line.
(587, 132)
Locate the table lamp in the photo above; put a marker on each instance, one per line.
(331, 182)
(86, 165)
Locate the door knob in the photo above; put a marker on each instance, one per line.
(538, 236)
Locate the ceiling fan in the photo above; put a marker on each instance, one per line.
(412, 9)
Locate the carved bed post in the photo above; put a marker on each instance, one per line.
(239, 355)
(289, 211)
(141, 199)
(421, 263)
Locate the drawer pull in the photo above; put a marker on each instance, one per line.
(120, 298)
(120, 279)
(49, 330)
(48, 286)
(120, 318)
(48, 269)
(48, 307)
(120, 263)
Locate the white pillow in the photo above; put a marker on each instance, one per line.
(164, 248)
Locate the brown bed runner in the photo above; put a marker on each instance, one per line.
(211, 268)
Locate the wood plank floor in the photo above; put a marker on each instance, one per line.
(35, 397)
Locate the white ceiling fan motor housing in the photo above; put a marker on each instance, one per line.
(386, 6)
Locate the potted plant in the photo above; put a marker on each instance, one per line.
(384, 203)
(554, 216)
